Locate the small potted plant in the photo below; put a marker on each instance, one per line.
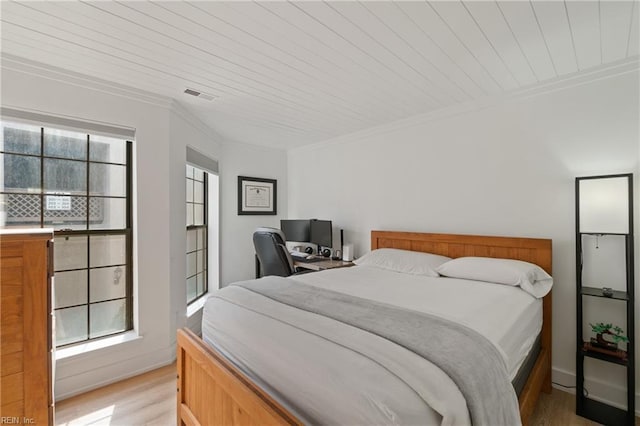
(600, 344)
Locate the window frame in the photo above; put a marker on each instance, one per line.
(205, 227)
(127, 231)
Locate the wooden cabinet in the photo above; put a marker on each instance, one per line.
(26, 392)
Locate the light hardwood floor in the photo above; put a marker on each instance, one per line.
(149, 399)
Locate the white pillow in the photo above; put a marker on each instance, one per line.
(408, 262)
(531, 278)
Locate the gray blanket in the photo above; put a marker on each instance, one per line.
(468, 358)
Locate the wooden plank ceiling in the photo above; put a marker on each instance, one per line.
(286, 74)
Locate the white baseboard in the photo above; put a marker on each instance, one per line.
(604, 392)
(74, 385)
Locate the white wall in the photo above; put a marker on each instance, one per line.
(237, 231)
(185, 131)
(163, 130)
(28, 91)
(505, 169)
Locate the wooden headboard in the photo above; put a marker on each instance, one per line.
(533, 250)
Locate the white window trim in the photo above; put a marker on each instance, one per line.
(197, 305)
(94, 345)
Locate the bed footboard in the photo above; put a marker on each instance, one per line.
(211, 391)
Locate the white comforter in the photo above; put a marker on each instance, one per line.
(328, 372)
(507, 316)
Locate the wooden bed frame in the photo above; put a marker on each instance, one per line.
(212, 391)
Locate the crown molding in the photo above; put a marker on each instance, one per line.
(27, 66)
(602, 72)
(253, 146)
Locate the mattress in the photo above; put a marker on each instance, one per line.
(363, 378)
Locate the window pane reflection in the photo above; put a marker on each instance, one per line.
(20, 138)
(107, 179)
(70, 288)
(108, 283)
(21, 174)
(191, 288)
(70, 252)
(108, 150)
(61, 143)
(108, 250)
(65, 176)
(107, 213)
(191, 240)
(107, 318)
(71, 325)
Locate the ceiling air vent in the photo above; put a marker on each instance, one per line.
(197, 94)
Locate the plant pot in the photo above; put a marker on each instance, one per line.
(618, 353)
(600, 342)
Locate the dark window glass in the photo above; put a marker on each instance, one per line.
(196, 209)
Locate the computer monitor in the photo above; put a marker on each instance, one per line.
(296, 230)
(321, 233)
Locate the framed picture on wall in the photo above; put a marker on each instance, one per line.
(257, 196)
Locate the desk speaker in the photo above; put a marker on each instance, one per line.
(347, 252)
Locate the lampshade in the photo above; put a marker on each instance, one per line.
(604, 205)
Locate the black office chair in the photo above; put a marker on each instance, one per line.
(272, 252)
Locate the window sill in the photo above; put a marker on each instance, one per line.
(197, 305)
(94, 345)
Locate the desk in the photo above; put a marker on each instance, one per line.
(322, 264)
(319, 265)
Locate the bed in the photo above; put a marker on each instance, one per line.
(216, 387)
